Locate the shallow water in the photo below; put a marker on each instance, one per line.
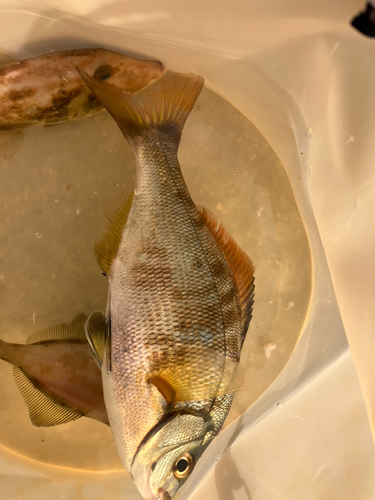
(50, 206)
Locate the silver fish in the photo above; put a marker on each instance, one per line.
(180, 298)
(56, 375)
(47, 90)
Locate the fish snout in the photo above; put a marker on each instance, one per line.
(163, 495)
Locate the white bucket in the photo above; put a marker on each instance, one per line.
(304, 78)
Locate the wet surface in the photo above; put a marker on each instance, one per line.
(50, 205)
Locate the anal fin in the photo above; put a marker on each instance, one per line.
(11, 141)
(43, 410)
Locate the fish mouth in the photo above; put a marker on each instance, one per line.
(163, 495)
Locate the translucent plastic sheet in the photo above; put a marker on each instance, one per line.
(304, 77)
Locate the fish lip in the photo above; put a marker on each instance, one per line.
(163, 495)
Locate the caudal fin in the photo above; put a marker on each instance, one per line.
(164, 105)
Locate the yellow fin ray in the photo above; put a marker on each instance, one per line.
(73, 330)
(11, 141)
(116, 206)
(96, 334)
(43, 410)
(165, 103)
(217, 376)
(7, 60)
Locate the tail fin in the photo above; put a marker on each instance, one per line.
(164, 105)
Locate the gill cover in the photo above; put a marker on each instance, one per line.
(168, 454)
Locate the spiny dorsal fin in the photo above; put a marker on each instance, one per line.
(73, 330)
(116, 206)
(96, 334)
(166, 104)
(239, 263)
(43, 410)
(6, 60)
(11, 141)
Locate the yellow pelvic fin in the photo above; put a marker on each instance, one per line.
(7, 60)
(96, 333)
(43, 410)
(73, 330)
(196, 380)
(239, 263)
(165, 104)
(116, 206)
(11, 141)
(164, 387)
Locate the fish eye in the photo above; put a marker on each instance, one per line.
(183, 466)
(104, 72)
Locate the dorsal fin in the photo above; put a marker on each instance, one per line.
(73, 330)
(11, 141)
(7, 60)
(239, 263)
(43, 410)
(116, 205)
(96, 334)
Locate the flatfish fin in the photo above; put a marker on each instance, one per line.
(96, 334)
(116, 205)
(11, 141)
(72, 331)
(43, 410)
(7, 60)
(239, 263)
(164, 105)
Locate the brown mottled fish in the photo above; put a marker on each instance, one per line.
(47, 90)
(56, 375)
(180, 298)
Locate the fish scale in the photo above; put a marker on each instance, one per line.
(180, 299)
(171, 254)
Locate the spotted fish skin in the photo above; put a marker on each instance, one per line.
(175, 319)
(47, 90)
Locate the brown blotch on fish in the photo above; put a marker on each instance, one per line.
(50, 85)
(20, 94)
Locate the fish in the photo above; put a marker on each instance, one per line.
(180, 297)
(56, 375)
(47, 90)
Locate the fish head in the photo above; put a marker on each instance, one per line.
(168, 454)
(125, 72)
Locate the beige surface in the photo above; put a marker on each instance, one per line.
(51, 209)
(304, 77)
(315, 446)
